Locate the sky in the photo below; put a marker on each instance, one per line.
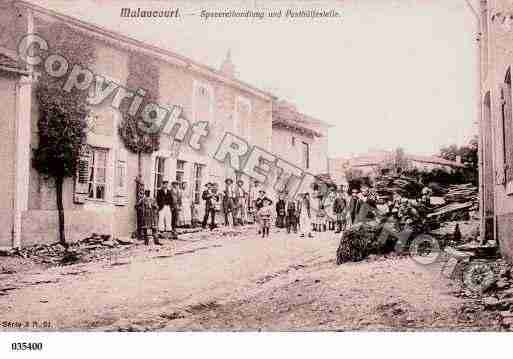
(386, 74)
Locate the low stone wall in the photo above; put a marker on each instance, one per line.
(40, 226)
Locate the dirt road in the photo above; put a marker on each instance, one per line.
(215, 282)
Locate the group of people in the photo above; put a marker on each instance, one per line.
(335, 210)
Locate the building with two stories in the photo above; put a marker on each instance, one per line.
(101, 198)
(496, 122)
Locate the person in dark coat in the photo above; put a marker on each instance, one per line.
(207, 197)
(292, 216)
(280, 212)
(229, 203)
(165, 205)
(353, 206)
(176, 206)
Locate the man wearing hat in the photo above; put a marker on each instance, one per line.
(176, 206)
(210, 197)
(280, 210)
(165, 203)
(206, 196)
(229, 202)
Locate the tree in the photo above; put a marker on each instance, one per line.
(62, 124)
(469, 157)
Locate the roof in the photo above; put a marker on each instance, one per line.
(435, 160)
(155, 51)
(9, 64)
(285, 115)
(377, 158)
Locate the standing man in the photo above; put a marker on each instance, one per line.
(165, 203)
(240, 195)
(353, 207)
(176, 206)
(205, 196)
(280, 211)
(229, 202)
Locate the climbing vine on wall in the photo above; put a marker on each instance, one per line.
(143, 73)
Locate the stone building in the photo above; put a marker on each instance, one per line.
(101, 198)
(496, 123)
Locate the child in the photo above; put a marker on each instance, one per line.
(264, 215)
(291, 218)
(321, 219)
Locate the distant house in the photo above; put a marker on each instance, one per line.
(384, 162)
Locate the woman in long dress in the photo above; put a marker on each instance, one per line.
(186, 211)
(305, 216)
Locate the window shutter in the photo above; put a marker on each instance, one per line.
(120, 188)
(508, 134)
(82, 176)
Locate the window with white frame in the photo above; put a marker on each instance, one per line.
(180, 171)
(198, 178)
(243, 118)
(98, 174)
(160, 170)
(306, 155)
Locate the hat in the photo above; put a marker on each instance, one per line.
(174, 182)
(208, 184)
(165, 181)
(228, 180)
(267, 199)
(240, 181)
(261, 191)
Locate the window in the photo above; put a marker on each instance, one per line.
(505, 174)
(306, 155)
(160, 168)
(98, 174)
(180, 171)
(198, 176)
(202, 102)
(242, 118)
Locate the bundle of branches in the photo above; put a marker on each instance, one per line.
(360, 241)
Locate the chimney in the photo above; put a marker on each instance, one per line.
(227, 67)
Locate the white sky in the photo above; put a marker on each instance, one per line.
(388, 73)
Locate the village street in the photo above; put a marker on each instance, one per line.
(216, 281)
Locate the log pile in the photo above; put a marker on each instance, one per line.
(407, 187)
(462, 194)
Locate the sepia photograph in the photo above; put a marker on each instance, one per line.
(222, 167)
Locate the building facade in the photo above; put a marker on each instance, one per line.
(102, 196)
(496, 123)
(299, 138)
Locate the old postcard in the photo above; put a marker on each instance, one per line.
(247, 166)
